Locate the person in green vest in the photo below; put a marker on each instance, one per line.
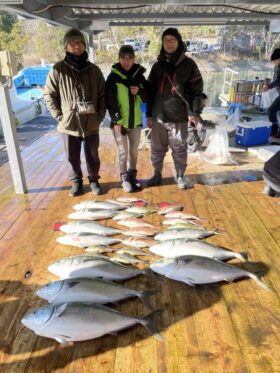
(125, 92)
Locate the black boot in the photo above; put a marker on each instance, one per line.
(95, 187)
(126, 185)
(136, 186)
(77, 189)
(155, 180)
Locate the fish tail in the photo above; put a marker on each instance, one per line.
(257, 278)
(150, 273)
(149, 322)
(243, 256)
(145, 297)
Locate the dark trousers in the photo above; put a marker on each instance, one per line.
(72, 147)
(173, 135)
(272, 115)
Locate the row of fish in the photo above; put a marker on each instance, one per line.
(76, 311)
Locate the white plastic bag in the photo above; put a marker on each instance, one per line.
(217, 151)
(268, 97)
(232, 120)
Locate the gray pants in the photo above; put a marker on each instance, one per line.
(173, 135)
(128, 148)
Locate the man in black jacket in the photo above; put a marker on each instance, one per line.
(275, 106)
(271, 176)
(175, 98)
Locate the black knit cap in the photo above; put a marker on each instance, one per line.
(275, 55)
(174, 32)
(71, 35)
(126, 50)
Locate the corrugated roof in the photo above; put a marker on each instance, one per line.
(84, 14)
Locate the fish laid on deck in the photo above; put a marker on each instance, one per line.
(93, 266)
(173, 234)
(135, 223)
(127, 215)
(92, 214)
(88, 227)
(170, 208)
(197, 270)
(86, 239)
(82, 321)
(127, 259)
(100, 205)
(182, 247)
(139, 242)
(140, 232)
(90, 290)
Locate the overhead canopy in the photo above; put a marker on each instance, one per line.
(90, 16)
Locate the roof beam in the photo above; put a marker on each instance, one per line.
(182, 16)
(90, 3)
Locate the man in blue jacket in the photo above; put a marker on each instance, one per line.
(176, 89)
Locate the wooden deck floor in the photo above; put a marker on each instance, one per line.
(226, 328)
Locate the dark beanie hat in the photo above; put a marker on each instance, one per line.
(126, 49)
(172, 31)
(275, 55)
(73, 34)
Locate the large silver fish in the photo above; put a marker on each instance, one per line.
(88, 227)
(82, 321)
(92, 290)
(86, 239)
(92, 214)
(197, 270)
(91, 266)
(174, 234)
(101, 205)
(187, 246)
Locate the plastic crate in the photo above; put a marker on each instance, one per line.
(252, 133)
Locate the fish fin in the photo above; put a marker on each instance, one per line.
(145, 297)
(64, 339)
(73, 283)
(243, 256)
(149, 322)
(60, 309)
(188, 281)
(150, 273)
(257, 277)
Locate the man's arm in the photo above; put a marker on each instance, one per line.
(52, 95)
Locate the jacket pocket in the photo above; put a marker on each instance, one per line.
(69, 120)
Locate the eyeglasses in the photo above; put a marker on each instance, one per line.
(78, 42)
(170, 41)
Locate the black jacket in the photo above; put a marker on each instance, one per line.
(164, 103)
(272, 168)
(124, 107)
(276, 78)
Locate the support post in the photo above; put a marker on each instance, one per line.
(91, 49)
(11, 140)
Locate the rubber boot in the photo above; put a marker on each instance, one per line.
(136, 186)
(76, 189)
(155, 180)
(126, 185)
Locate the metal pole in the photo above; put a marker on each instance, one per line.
(11, 140)
(91, 49)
